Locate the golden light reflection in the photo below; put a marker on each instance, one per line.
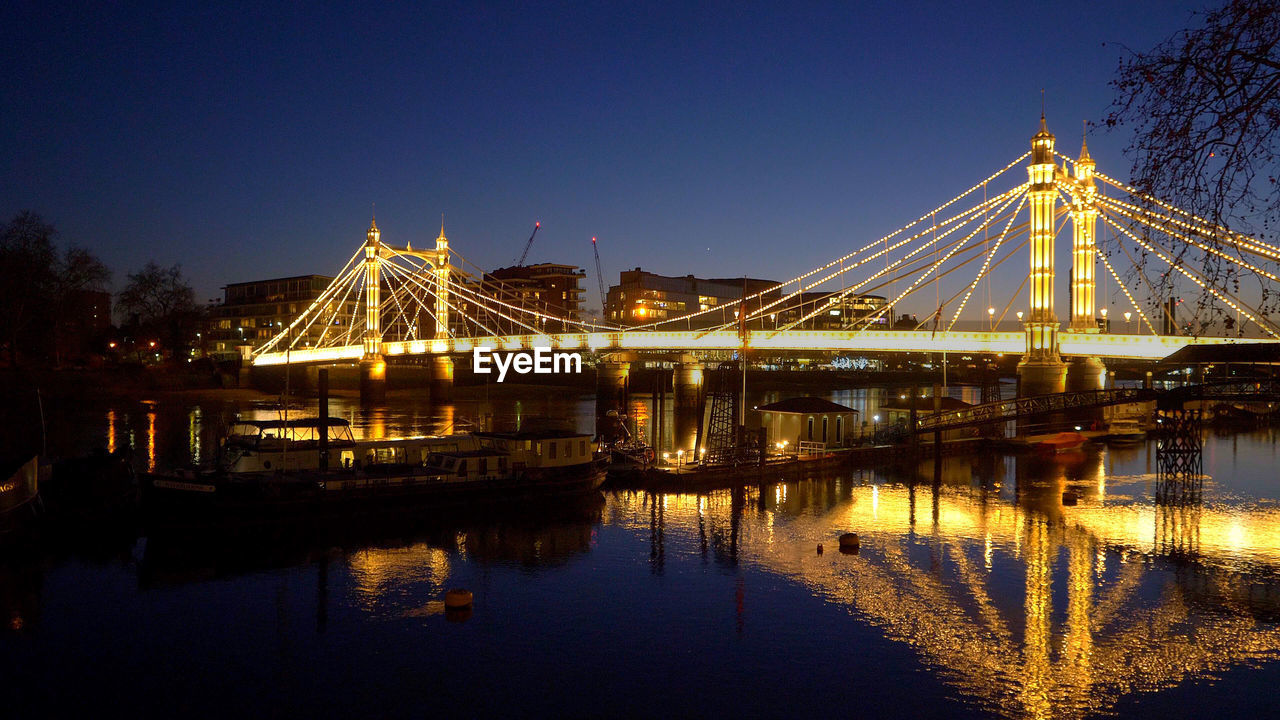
(193, 435)
(151, 441)
(1135, 626)
(382, 573)
(111, 431)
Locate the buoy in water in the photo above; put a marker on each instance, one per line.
(849, 543)
(457, 599)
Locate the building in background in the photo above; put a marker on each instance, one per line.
(253, 312)
(548, 288)
(642, 297)
(830, 311)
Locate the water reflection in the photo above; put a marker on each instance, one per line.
(1117, 595)
(1025, 606)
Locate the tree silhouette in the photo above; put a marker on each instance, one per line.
(161, 303)
(1204, 106)
(38, 284)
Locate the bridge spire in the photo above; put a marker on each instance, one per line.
(1042, 370)
(440, 272)
(1084, 215)
(373, 368)
(372, 291)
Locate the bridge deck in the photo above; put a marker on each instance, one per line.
(1139, 347)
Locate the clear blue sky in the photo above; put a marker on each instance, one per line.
(720, 139)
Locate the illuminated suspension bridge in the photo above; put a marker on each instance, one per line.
(390, 301)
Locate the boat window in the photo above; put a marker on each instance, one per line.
(552, 446)
(484, 466)
(824, 428)
(568, 449)
(462, 468)
(839, 428)
(810, 428)
(502, 465)
(582, 448)
(528, 445)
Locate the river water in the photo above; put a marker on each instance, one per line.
(976, 596)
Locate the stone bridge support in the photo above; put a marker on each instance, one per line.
(442, 378)
(612, 385)
(687, 386)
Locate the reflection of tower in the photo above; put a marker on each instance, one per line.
(1179, 457)
(1036, 676)
(1078, 647)
(1177, 530)
(1041, 370)
(657, 531)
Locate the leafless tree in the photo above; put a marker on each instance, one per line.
(1204, 110)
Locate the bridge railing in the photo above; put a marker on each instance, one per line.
(1006, 410)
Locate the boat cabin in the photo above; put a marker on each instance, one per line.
(407, 450)
(274, 445)
(457, 465)
(541, 448)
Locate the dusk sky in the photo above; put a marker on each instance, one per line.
(719, 139)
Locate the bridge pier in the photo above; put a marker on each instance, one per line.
(1041, 377)
(687, 388)
(442, 378)
(373, 379)
(612, 382)
(1085, 374)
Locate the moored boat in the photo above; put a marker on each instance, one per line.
(20, 495)
(1062, 442)
(389, 475)
(1124, 431)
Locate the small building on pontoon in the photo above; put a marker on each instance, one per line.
(818, 424)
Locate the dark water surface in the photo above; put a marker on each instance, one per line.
(979, 596)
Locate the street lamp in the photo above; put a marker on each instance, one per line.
(1019, 316)
(991, 315)
(875, 425)
(1127, 317)
(1104, 320)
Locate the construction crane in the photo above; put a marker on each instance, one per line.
(599, 274)
(525, 254)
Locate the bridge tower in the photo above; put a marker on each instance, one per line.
(373, 367)
(441, 365)
(1085, 373)
(441, 273)
(1042, 370)
(1084, 220)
